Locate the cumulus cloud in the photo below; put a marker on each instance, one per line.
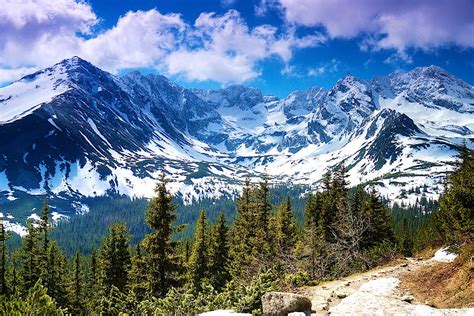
(391, 24)
(229, 51)
(220, 48)
(202, 65)
(139, 39)
(36, 30)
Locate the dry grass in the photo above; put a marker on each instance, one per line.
(444, 285)
(427, 252)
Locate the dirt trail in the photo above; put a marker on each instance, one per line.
(375, 292)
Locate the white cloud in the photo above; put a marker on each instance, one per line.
(139, 39)
(9, 75)
(222, 48)
(35, 30)
(391, 24)
(229, 51)
(290, 71)
(330, 67)
(228, 3)
(202, 65)
(315, 72)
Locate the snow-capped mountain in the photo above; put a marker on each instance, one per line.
(75, 131)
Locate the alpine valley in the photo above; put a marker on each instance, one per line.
(97, 134)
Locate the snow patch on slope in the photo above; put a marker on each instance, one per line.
(26, 95)
(444, 255)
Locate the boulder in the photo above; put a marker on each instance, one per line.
(281, 303)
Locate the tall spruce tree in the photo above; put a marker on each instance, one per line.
(198, 262)
(164, 266)
(327, 199)
(317, 227)
(29, 260)
(405, 239)
(14, 287)
(219, 254)
(286, 229)
(138, 284)
(359, 201)
(456, 214)
(264, 236)
(243, 231)
(342, 210)
(381, 221)
(3, 260)
(115, 258)
(311, 225)
(44, 227)
(76, 287)
(92, 282)
(56, 281)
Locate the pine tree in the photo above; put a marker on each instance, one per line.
(342, 210)
(456, 214)
(28, 259)
(243, 232)
(263, 236)
(311, 225)
(56, 281)
(286, 230)
(3, 260)
(14, 281)
(43, 232)
(93, 271)
(381, 221)
(37, 302)
(219, 254)
(199, 256)
(405, 239)
(138, 285)
(187, 250)
(40, 303)
(115, 258)
(76, 292)
(164, 266)
(327, 199)
(318, 226)
(93, 282)
(359, 201)
(44, 227)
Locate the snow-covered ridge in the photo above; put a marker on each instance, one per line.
(27, 94)
(97, 134)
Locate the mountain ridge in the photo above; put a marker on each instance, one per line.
(100, 134)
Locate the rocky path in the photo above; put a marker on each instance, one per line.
(375, 292)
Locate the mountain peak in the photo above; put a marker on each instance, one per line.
(347, 83)
(430, 69)
(349, 80)
(75, 63)
(74, 60)
(428, 72)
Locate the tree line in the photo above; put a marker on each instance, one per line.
(226, 265)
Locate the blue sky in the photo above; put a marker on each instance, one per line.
(275, 45)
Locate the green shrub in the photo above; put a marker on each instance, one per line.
(300, 278)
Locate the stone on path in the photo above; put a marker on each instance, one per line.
(280, 303)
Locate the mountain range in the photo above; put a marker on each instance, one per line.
(73, 131)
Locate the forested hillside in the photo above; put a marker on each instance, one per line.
(229, 263)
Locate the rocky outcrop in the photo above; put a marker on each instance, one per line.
(281, 304)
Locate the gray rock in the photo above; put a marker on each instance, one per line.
(281, 303)
(407, 298)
